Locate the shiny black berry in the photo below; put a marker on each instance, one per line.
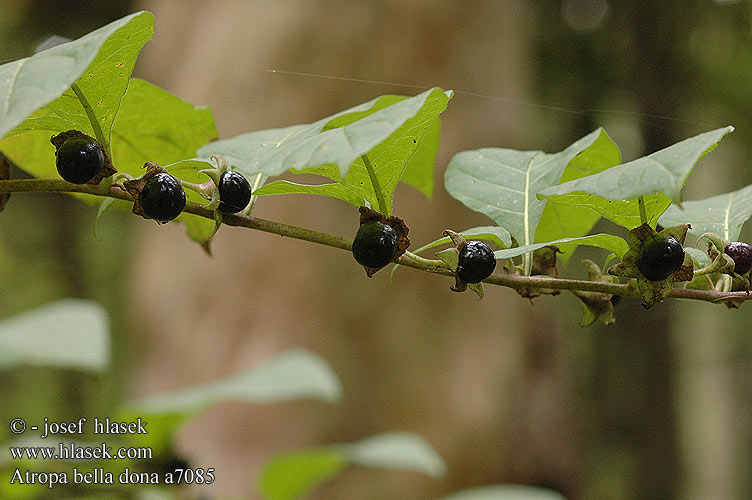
(742, 255)
(234, 192)
(375, 244)
(660, 256)
(79, 160)
(162, 197)
(476, 262)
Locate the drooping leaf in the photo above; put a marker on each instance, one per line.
(291, 476)
(101, 86)
(505, 492)
(395, 137)
(610, 242)
(658, 177)
(724, 214)
(294, 475)
(566, 221)
(28, 84)
(502, 183)
(70, 333)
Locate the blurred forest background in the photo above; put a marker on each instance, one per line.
(655, 407)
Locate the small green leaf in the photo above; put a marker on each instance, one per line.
(699, 256)
(294, 475)
(396, 450)
(28, 84)
(610, 242)
(505, 492)
(566, 221)
(724, 214)
(658, 177)
(395, 137)
(70, 333)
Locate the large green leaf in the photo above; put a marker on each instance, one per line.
(566, 221)
(658, 177)
(28, 84)
(139, 134)
(102, 85)
(70, 333)
(724, 214)
(505, 492)
(293, 475)
(610, 242)
(293, 375)
(395, 133)
(502, 183)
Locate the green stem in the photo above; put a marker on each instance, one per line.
(376, 185)
(98, 134)
(409, 259)
(643, 213)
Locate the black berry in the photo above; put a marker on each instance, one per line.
(79, 160)
(742, 255)
(375, 244)
(234, 192)
(162, 197)
(476, 262)
(660, 256)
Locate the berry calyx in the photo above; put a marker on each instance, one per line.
(742, 254)
(162, 197)
(79, 160)
(476, 262)
(660, 257)
(375, 244)
(234, 192)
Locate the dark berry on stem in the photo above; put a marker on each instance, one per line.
(79, 160)
(162, 197)
(476, 262)
(234, 192)
(660, 257)
(375, 244)
(742, 254)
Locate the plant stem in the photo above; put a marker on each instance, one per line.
(376, 185)
(409, 259)
(643, 214)
(98, 134)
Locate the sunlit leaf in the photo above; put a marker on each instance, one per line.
(505, 492)
(102, 57)
(658, 177)
(609, 242)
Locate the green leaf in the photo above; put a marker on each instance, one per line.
(566, 221)
(723, 215)
(28, 84)
(293, 375)
(70, 333)
(610, 242)
(102, 84)
(294, 475)
(501, 183)
(396, 450)
(658, 177)
(505, 492)
(398, 136)
(139, 134)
